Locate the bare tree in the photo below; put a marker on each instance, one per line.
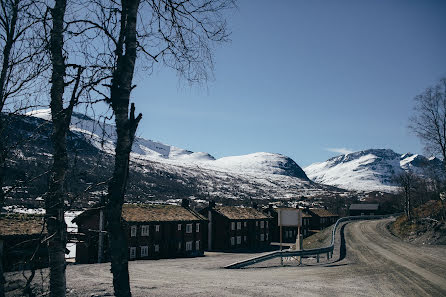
(21, 63)
(429, 119)
(72, 78)
(408, 183)
(176, 34)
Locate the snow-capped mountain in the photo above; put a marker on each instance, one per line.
(370, 170)
(162, 172)
(103, 137)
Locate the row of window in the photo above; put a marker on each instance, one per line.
(145, 249)
(238, 239)
(263, 224)
(325, 220)
(145, 229)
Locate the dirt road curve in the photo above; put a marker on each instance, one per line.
(368, 261)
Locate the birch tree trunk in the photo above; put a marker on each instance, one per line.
(54, 200)
(125, 128)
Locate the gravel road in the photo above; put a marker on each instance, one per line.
(368, 261)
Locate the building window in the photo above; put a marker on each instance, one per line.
(157, 228)
(232, 225)
(266, 224)
(179, 227)
(197, 245)
(179, 245)
(197, 227)
(157, 248)
(144, 251)
(239, 239)
(133, 231)
(189, 228)
(262, 224)
(132, 252)
(232, 240)
(244, 238)
(144, 230)
(257, 223)
(239, 225)
(267, 236)
(262, 237)
(188, 245)
(245, 224)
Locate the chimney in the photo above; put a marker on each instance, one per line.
(185, 203)
(270, 206)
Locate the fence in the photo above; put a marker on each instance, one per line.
(313, 252)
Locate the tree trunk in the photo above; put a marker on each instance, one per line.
(55, 199)
(6, 51)
(125, 129)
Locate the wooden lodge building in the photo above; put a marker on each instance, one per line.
(321, 218)
(236, 228)
(153, 232)
(20, 237)
(364, 209)
(289, 233)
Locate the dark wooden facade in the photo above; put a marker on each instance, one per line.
(153, 232)
(20, 237)
(321, 218)
(233, 228)
(364, 209)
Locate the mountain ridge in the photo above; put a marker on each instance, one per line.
(370, 170)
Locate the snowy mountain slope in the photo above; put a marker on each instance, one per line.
(103, 137)
(167, 171)
(369, 170)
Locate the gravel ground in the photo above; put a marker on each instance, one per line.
(368, 261)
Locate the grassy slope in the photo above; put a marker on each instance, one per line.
(318, 240)
(428, 225)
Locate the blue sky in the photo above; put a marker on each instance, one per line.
(304, 79)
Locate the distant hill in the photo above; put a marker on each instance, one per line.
(159, 172)
(370, 170)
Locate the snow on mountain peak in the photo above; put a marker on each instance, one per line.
(368, 170)
(103, 136)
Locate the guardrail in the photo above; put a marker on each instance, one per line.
(313, 252)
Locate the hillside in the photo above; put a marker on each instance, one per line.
(370, 170)
(428, 225)
(159, 172)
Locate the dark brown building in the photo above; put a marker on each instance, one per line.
(321, 218)
(364, 209)
(236, 228)
(289, 233)
(153, 231)
(20, 237)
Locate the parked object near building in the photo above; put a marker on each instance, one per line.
(236, 228)
(20, 237)
(364, 209)
(153, 232)
(289, 233)
(321, 218)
